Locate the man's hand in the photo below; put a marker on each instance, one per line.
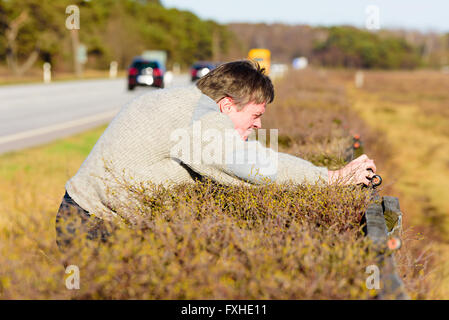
(355, 172)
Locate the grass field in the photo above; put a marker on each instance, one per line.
(31, 189)
(248, 252)
(411, 109)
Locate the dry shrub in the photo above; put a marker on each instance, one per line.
(312, 117)
(427, 89)
(209, 241)
(316, 122)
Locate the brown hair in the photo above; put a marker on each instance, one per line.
(244, 81)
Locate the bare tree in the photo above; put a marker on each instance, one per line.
(11, 33)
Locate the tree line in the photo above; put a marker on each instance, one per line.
(351, 47)
(346, 46)
(33, 31)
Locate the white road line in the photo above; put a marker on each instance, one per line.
(57, 127)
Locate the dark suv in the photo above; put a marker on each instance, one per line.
(200, 69)
(144, 72)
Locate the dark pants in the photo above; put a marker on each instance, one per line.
(73, 222)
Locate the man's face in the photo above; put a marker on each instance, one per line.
(245, 120)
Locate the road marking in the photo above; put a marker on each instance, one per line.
(57, 127)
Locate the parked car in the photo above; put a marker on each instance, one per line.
(142, 72)
(200, 69)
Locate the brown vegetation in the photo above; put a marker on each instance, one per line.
(205, 240)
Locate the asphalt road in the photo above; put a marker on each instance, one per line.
(34, 114)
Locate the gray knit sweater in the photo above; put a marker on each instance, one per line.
(138, 145)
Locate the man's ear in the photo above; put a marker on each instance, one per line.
(227, 105)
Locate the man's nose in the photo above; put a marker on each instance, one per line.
(258, 123)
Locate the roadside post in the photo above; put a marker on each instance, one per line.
(383, 220)
(359, 79)
(113, 69)
(47, 72)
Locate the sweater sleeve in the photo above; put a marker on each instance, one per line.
(297, 170)
(216, 151)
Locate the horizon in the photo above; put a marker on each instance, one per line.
(428, 17)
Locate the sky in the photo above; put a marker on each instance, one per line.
(422, 15)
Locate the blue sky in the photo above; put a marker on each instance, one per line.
(423, 15)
